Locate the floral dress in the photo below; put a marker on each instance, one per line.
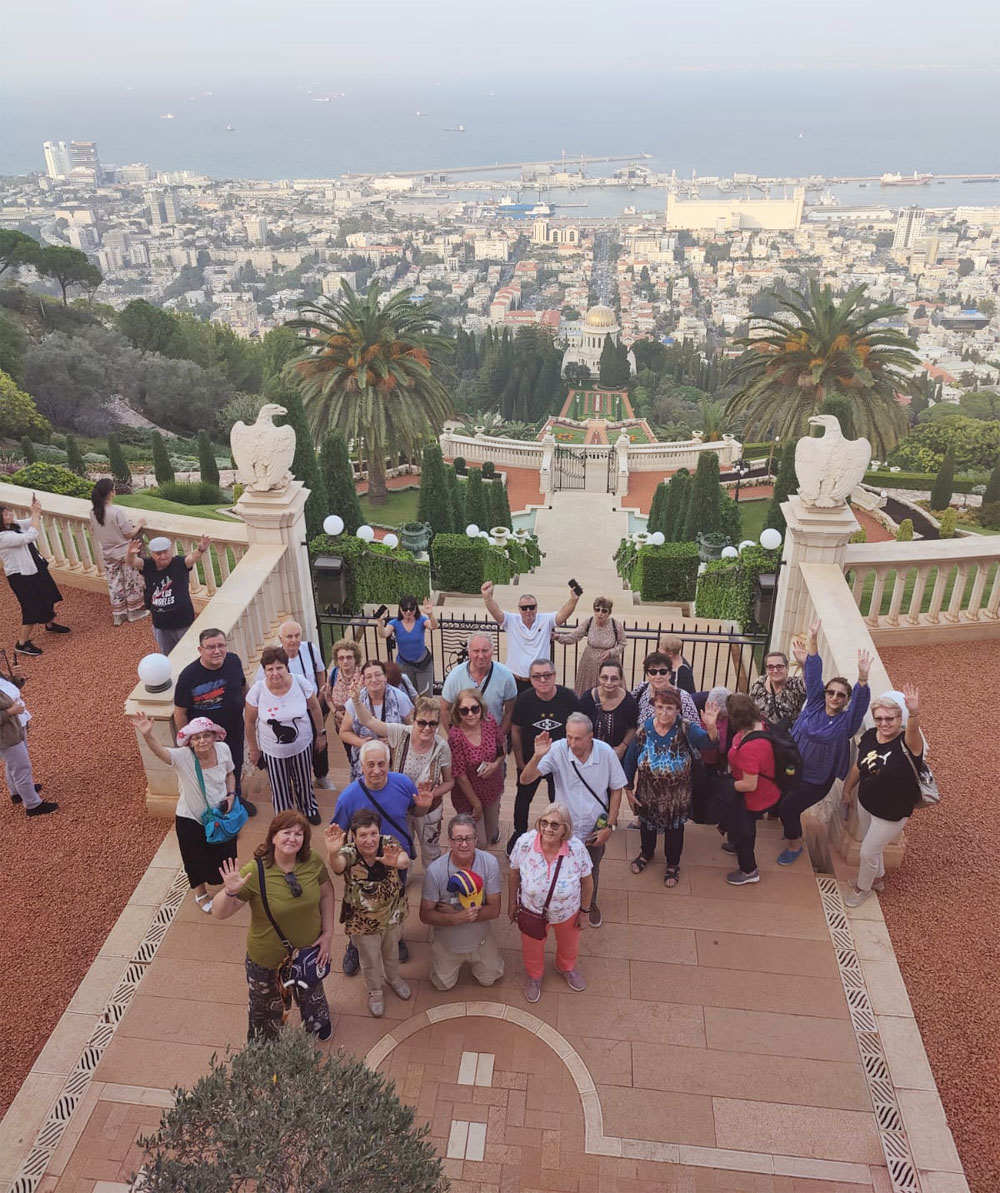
(599, 639)
(466, 759)
(658, 768)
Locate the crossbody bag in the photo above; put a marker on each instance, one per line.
(300, 969)
(220, 827)
(535, 923)
(389, 820)
(606, 815)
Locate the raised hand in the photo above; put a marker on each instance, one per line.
(143, 723)
(390, 851)
(423, 799)
(355, 689)
(426, 608)
(912, 698)
(799, 652)
(203, 543)
(815, 628)
(333, 834)
(865, 660)
(487, 590)
(543, 743)
(232, 879)
(710, 714)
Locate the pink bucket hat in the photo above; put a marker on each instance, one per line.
(199, 725)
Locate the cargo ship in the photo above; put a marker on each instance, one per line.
(909, 180)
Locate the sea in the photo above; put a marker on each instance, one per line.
(791, 123)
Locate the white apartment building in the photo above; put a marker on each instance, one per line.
(909, 227)
(57, 160)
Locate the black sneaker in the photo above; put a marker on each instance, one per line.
(314, 818)
(16, 799)
(251, 808)
(28, 648)
(728, 847)
(325, 1032)
(55, 628)
(404, 951)
(596, 919)
(42, 809)
(352, 962)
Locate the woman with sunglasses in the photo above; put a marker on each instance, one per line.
(477, 748)
(888, 789)
(832, 714)
(612, 709)
(419, 753)
(412, 652)
(300, 899)
(605, 640)
(374, 900)
(657, 670)
(386, 703)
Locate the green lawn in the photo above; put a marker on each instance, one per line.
(890, 580)
(566, 434)
(752, 515)
(143, 501)
(977, 529)
(400, 507)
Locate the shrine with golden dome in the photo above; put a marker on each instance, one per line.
(586, 345)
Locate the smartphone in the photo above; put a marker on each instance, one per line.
(381, 611)
(576, 588)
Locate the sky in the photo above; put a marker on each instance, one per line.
(593, 43)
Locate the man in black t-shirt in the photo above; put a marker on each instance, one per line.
(214, 686)
(544, 707)
(168, 590)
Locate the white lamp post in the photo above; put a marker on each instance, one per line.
(154, 672)
(365, 533)
(333, 525)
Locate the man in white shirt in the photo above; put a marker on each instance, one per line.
(529, 633)
(589, 781)
(495, 682)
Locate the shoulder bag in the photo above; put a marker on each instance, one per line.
(220, 827)
(535, 923)
(606, 806)
(389, 820)
(930, 793)
(301, 968)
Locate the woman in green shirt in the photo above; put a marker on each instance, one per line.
(300, 896)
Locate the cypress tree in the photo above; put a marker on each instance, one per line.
(703, 505)
(120, 471)
(206, 459)
(608, 370)
(730, 521)
(501, 505)
(785, 483)
(840, 408)
(305, 467)
(993, 485)
(656, 508)
(338, 482)
(456, 499)
(162, 468)
(434, 505)
(28, 450)
(944, 485)
(671, 521)
(475, 500)
(74, 458)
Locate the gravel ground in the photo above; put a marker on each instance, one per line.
(67, 877)
(943, 907)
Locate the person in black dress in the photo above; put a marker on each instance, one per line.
(612, 708)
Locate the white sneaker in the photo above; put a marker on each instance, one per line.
(856, 898)
(325, 784)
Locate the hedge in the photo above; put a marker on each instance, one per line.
(667, 573)
(52, 478)
(922, 482)
(375, 574)
(190, 492)
(462, 564)
(728, 587)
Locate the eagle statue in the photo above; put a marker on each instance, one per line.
(830, 467)
(263, 453)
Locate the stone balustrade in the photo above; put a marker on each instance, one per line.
(668, 457)
(513, 453)
(76, 560)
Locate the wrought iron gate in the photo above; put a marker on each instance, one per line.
(612, 470)
(571, 468)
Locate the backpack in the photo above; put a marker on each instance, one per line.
(787, 758)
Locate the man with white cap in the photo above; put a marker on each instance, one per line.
(168, 592)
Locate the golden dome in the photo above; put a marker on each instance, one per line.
(600, 317)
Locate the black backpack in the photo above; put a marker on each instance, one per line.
(787, 758)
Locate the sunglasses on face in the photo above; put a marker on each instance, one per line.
(294, 885)
(527, 608)
(427, 724)
(884, 720)
(543, 675)
(550, 823)
(837, 695)
(408, 608)
(601, 609)
(775, 666)
(658, 671)
(469, 711)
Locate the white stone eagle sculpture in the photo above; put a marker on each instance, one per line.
(829, 468)
(263, 452)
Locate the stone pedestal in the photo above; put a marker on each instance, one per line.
(278, 517)
(812, 536)
(161, 780)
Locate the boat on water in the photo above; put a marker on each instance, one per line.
(507, 206)
(454, 128)
(321, 99)
(167, 116)
(991, 178)
(906, 180)
(421, 113)
(230, 129)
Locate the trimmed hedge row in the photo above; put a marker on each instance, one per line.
(728, 587)
(462, 564)
(52, 478)
(921, 481)
(375, 574)
(667, 573)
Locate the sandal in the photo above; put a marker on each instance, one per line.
(639, 864)
(672, 876)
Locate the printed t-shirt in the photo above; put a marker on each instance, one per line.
(374, 897)
(461, 938)
(888, 787)
(534, 715)
(299, 918)
(536, 876)
(284, 726)
(525, 644)
(217, 694)
(168, 594)
(755, 758)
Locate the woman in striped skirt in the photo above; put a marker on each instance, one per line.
(284, 725)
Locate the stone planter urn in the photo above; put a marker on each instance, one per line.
(641, 538)
(710, 546)
(500, 535)
(415, 536)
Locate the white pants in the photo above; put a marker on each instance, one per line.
(878, 834)
(17, 768)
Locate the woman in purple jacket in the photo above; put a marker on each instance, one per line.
(831, 716)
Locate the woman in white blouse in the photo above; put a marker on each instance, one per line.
(28, 575)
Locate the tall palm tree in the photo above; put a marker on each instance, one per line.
(819, 347)
(366, 370)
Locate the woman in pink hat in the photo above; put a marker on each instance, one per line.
(205, 779)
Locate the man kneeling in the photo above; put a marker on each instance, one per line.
(461, 895)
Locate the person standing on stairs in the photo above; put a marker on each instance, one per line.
(529, 633)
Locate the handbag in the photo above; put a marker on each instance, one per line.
(11, 729)
(300, 968)
(535, 923)
(220, 827)
(930, 793)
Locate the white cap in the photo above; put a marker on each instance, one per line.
(160, 544)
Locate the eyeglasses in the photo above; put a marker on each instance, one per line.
(294, 885)
(885, 720)
(837, 694)
(468, 711)
(463, 840)
(775, 666)
(601, 609)
(527, 608)
(550, 823)
(543, 675)
(427, 724)
(658, 671)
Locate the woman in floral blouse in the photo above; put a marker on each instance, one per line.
(476, 764)
(374, 900)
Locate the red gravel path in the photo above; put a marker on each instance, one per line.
(943, 907)
(67, 877)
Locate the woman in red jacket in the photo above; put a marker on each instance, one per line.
(751, 764)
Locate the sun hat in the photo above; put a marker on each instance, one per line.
(160, 544)
(200, 725)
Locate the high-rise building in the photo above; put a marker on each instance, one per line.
(57, 161)
(163, 208)
(137, 172)
(171, 208)
(909, 227)
(256, 229)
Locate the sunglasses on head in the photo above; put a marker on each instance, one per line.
(468, 710)
(294, 885)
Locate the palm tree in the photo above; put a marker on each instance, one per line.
(714, 420)
(366, 370)
(820, 347)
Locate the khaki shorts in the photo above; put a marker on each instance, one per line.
(484, 961)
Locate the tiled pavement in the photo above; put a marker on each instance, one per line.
(714, 1048)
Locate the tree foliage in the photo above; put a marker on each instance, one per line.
(675, 506)
(993, 485)
(13, 344)
(206, 459)
(282, 1116)
(338, 482)
(67, 267)
(18, 414)
(976, 444)
(704, 504)
(944, 483)
(305, 466)
(147, 327)
(785, 483)
(435, 505)
(162, 468)
(17, 249)
(475, 500)
(820, 347)
(117, 464)
(74, 457)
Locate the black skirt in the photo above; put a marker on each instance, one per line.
(201, 859)
(37, 595)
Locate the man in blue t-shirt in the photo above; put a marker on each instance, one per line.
(392, 796)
